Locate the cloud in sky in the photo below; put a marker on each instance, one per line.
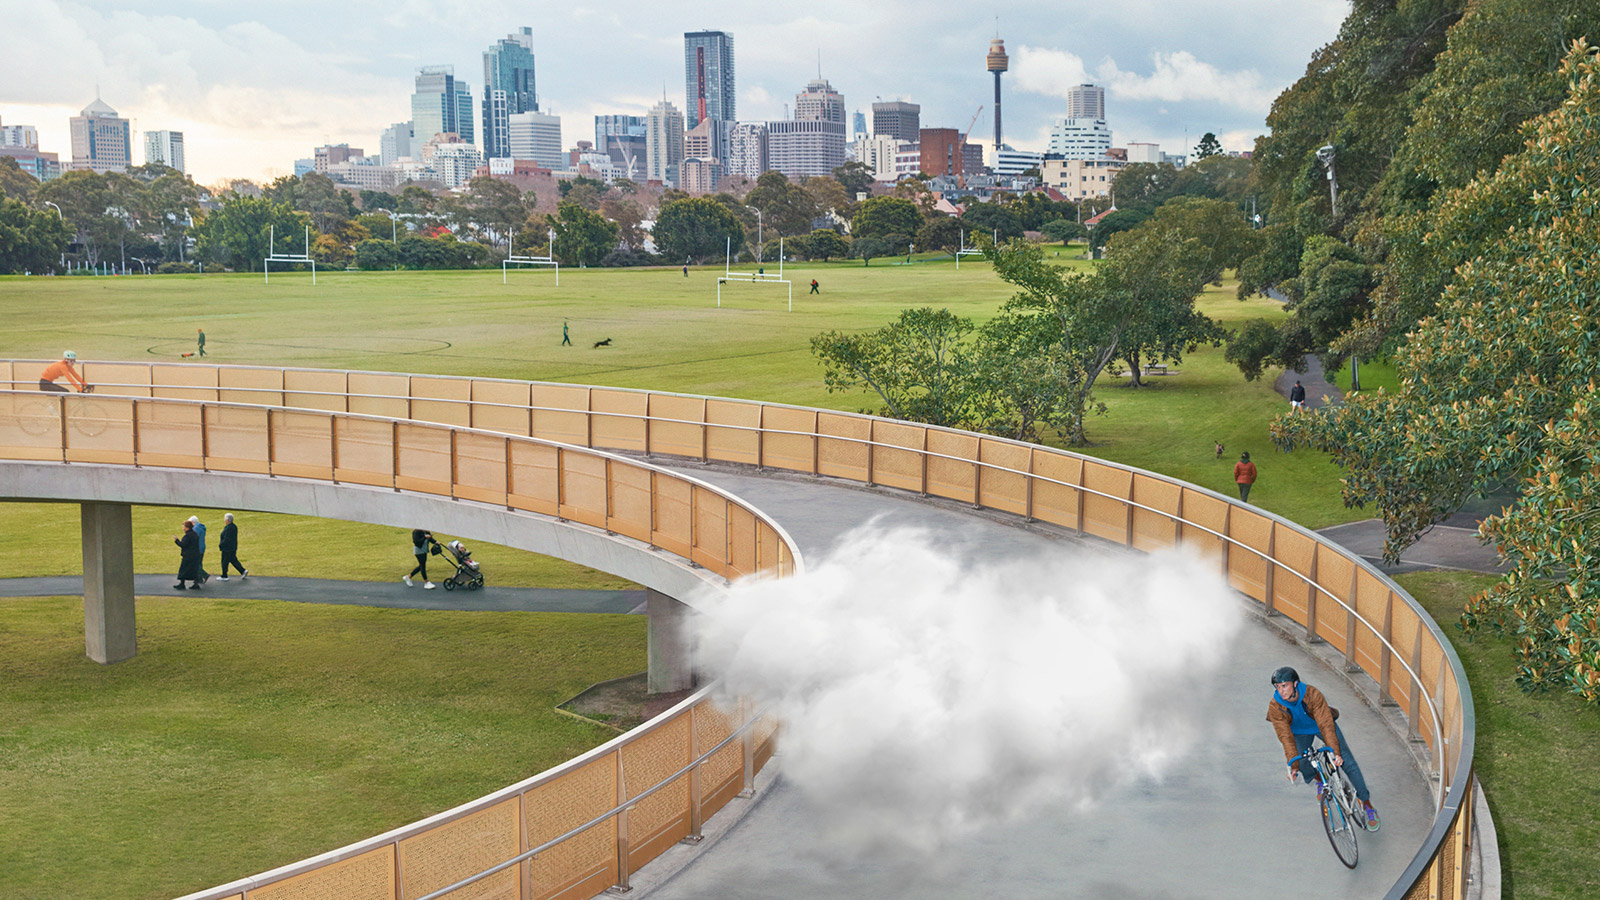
(255, 86)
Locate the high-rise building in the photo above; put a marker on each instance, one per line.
(941, 152)
(622, 138)
(536, 136)
(164, 147)
(877, 152)
(508, 88)
(897, 119)
(441, 105)
(997, 62)
(663, 143)
(395, 143)
(819, 102)
(455, 163)
(805, 148)
(333, 154)
(1082, 178)
(1086, 101)
(708, 77)
(1011, 163)
(747, 149)
(21, 143)
(858, 125)
(1079, 138)
(699, 176)
(100, 139)
(19, 136)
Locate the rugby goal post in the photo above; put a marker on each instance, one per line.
(512, 259)
(965, 250)
(728, 275)
(274, 256)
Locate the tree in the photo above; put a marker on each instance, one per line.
(238, 234)
(697, 228)
(492, 208)
(1498, 388)
(373, 254)
(30, 240)
(15, 183)
(583, 238)
(375, 200)
(940, 233)
(828, 195)
(825, 243)
(879, 217)
(918, 365)
(786, 208)
(867, 248)
(91, 204)
(855, 177)
(989, 218)
(1062, 230)
(625, 211)
(1208, 146)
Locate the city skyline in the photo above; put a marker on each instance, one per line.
(252, 97)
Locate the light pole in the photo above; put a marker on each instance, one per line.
(142, 267)
(63, 221)
(759, 247)
(393, 241)
(1325, 156)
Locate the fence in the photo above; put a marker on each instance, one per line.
(1338, 598)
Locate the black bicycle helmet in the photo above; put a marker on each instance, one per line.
(1285, 673)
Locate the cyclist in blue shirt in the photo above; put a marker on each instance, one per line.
(1299, 713)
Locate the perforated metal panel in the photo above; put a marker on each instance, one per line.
(369, 876)
(448, 853)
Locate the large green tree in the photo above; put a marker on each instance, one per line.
(879, 217)
(786, 207)
(31, 240)
(697, 228)
(239, 233)
(583, 238)
(15, 183)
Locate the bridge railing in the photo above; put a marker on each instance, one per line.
(1338, 598)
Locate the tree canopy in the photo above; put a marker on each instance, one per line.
(696, 228)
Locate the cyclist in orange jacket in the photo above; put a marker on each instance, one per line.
(67, 369)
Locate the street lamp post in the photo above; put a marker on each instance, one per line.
(144, 269)
(759, 246)
(1325, 155)
(393, 240)
(63, 219)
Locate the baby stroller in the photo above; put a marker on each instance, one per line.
(467, 574)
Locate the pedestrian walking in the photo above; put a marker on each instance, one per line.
(228, 547)
(686, 271)
(188, 558)
(202, 346)
(1244, 475)
(200, 532)
(566, 339)
(1297, 398)
(422, 543)
(814, 286)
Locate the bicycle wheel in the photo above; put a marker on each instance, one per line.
(1340, 827)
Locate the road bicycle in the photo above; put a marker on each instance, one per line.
(1343, 813)
(42, 415)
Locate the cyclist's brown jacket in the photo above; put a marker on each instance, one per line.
(1317, 706)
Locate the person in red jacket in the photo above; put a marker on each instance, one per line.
(1244, 475)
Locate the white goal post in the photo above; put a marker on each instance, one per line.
(274, 256)
(513, 260)
(728, 275)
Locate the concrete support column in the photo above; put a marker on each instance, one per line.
(670, 644)
(108, 582)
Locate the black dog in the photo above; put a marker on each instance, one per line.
(599, 344)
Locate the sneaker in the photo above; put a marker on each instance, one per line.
(407, 580)
(243, 574)
(222, 578)
(179, 587)
(1372, 817)
(427, 586)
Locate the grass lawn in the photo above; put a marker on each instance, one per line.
(242, 738)
(1535, 756)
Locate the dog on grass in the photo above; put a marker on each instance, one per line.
(1220, 448)
(599, 344)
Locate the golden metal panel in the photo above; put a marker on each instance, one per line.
(1106, 516)
(1334, 571)
(315, 390)
(169, 435)
(97, 426)
(481, 467)
(892, 465)
(1155, 530)
(422, 460)
(583, 489)
(726, 766)
(623, 428)
(175, 382)
(366, 447)
(730, 444)
(441, 400)
(1247, 571)
(630, 501)
(535, 483)
(646, 762)
(794, 452)
(236, 439)
(741, 542)
(673, 521)
(369, 876)
(1294, 552)
(551, 424)
(956, 478)
(261, 387)
(455, 850)
(1371, 598)
(1402, 633)
(1004, 488)
(682, 435)
(1201, 512)
(560, 805)
(373, 394)
(710, 530)
(302, 444)
(117, 379)
(1054, 502)
(502, 406)
(842, 458)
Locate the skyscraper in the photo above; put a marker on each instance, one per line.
(1086, 101)
(508, 88)
(997, 62)
(536, 136)
(819, 102)
(164, 147)
(708, 76)
(100, 139)
(663, 143)
(441, 105)
(622, 138)
(897, 119)
(858, 124)
(394, 143)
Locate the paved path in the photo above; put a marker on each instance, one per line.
(1225, 825)
(353, 593)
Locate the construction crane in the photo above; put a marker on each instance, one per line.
(961, 142)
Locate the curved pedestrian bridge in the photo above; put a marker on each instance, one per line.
(501, 460)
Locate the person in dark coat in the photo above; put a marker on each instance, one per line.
(188, 557)
(1297, 397)
(228, 548)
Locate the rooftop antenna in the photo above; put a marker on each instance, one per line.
(819, 63)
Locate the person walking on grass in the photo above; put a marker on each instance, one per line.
(566, 339)
(1297, 398)
(200, 532)
(188, 558)
(201, 349)
(421, 543)
(1244, 475)
(228, 547)
(813, 286)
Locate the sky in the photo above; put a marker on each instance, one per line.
(254, 86)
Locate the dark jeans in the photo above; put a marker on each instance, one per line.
(231, 558)
(1302, 743)
(422, 566)
(51, 386)
(1244, 492)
